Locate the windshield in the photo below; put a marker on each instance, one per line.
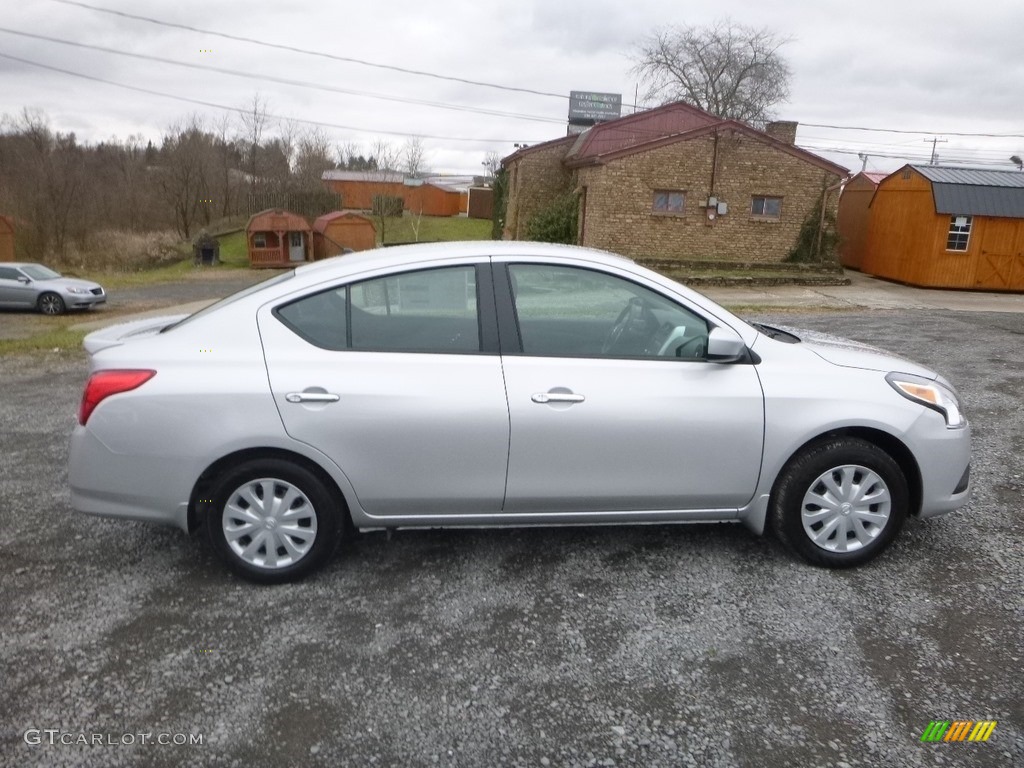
(234, 297)
(39, 272)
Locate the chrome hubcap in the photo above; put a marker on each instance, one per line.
(51, 305)
(269, 523)
(846, 508)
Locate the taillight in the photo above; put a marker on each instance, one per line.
(103, 384)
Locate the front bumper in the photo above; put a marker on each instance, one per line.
(944, 458)
(84, 300)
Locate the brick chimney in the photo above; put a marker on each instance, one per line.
(783, 130)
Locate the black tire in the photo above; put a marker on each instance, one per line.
(50, 304)
(856, 538)
(305, 540)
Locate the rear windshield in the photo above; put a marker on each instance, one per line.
(233, 298)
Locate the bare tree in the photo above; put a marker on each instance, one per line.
(254, 124)
(491, 163)
(289, 133)
(183, 177)
(727, 69)
(228, 160)
(413, 157)
(387, 158)
(312, 158)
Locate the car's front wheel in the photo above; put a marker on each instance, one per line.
(840, 502)
(273, 521)
(51, 304)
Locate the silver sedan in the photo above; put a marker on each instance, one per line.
(33, 286)
(484, 384)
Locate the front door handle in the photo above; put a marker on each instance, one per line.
(312, 397)
(557, 397)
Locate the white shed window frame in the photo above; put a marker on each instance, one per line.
(958, 239)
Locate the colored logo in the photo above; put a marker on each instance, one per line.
(958, 730)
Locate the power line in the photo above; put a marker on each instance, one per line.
(240, 110)
(283, 80)
(902, 130)
(306, 52)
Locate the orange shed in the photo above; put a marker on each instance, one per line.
(429, 197)
(948, 227)
(852, 217)
(6, 239)
(334, 232)
(278, 238)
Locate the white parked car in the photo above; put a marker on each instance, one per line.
(503, 383)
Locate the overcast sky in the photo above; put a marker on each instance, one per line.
(939, 67)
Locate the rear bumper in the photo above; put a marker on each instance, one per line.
(128, 487)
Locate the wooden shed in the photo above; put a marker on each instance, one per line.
(6, 239)
(852, 217)
(334, 232)
(278, 238)
(481, 202)
(948, 227)
(429, 197)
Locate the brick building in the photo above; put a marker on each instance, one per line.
(676, 183)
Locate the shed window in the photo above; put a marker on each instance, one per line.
(959, 233)
(259, 240)
(669, 201)
(766, 207)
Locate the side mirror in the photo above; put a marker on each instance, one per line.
(725, 346)
(24, 280)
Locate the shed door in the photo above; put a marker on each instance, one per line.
(296, 249)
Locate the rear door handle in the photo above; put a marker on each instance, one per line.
(312, 397)
(557, 397)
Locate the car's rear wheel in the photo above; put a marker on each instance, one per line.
(51, 304)
(273, 521)
(840, 502)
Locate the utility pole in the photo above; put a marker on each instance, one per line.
(864, 161)
(934, 140)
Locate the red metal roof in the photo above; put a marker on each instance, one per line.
(320, 225)
(640, 128)
(277, 220)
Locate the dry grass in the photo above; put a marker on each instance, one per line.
(120, 251)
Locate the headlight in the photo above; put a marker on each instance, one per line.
(77, 290)
(931, 394)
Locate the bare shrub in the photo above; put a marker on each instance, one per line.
(114, 250)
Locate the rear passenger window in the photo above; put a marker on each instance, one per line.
(432, 310)
(321, 319)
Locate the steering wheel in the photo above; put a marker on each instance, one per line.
(636, 319)
(699, 348)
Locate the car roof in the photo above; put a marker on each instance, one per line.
(400, 255)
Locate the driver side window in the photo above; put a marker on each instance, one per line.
(573, 312)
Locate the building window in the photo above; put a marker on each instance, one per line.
(766, 207)
(959, 233)
(669, 201)
(259, 240)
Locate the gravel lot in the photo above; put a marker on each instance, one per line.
(199, 285)
(653, 646)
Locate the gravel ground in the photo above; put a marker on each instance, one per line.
(650, 646)
(197, 286)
